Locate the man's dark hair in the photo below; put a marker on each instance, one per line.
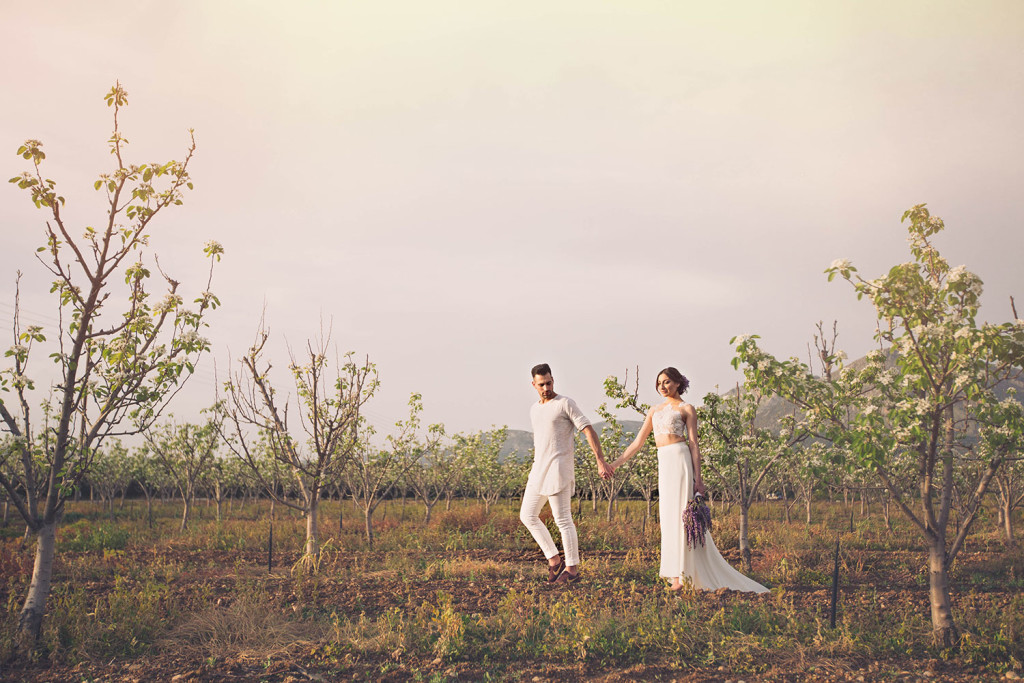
(542, 369)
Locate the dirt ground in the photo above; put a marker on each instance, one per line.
(361, 583)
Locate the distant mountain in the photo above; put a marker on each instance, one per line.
(518, 442)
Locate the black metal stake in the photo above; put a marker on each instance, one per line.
(270, 550)
(835, 588)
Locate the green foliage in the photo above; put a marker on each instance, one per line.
(120, 360)
(84, 536)
(928, 413)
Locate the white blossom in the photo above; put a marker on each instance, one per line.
(169, 303)
(192, 337)
(841, 264)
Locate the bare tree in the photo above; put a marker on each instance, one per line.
(374, 473)
(329, 405)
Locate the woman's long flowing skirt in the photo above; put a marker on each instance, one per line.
(705, 567)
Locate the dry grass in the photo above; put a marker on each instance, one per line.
(243, 629)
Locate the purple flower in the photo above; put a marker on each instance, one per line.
(696, 521)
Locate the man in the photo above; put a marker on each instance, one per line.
(552, 478)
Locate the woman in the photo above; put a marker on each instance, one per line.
(674, 423)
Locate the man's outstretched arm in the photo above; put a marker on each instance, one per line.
(595, 445)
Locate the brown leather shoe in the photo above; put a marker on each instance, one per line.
(554, 572)
(565, 577)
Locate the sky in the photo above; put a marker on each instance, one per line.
(461, 190)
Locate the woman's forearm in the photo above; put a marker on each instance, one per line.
(627, 454)
(695, 451)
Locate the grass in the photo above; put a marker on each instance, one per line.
(461, 597)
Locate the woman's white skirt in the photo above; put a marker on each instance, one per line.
(705, 567)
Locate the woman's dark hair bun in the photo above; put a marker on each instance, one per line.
(676, 376)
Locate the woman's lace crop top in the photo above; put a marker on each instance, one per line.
(668, 420)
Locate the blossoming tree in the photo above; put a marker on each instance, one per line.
(930, 408)
(487, 474)
(434, 468)
(186, 452)
(740, 453)
(120, 357)
(642, 470)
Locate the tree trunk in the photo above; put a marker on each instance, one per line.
(1007, 514)
(313, 530)
(944, 630)
(149, 506)
(426, 516)
(610, 510)
(785, 502)
(185, 512)
(807, 504)
(31, 620)
(368, 513)
(744, 542)
(219, 492)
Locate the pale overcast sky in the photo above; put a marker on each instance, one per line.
(468, 188)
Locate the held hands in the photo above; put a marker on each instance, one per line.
(605, 470)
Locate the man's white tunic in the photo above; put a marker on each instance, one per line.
(554, 424)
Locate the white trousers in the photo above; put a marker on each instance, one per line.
(561, 509)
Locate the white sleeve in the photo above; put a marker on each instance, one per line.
(576, 415)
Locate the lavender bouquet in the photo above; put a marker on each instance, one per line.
(696, 521)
